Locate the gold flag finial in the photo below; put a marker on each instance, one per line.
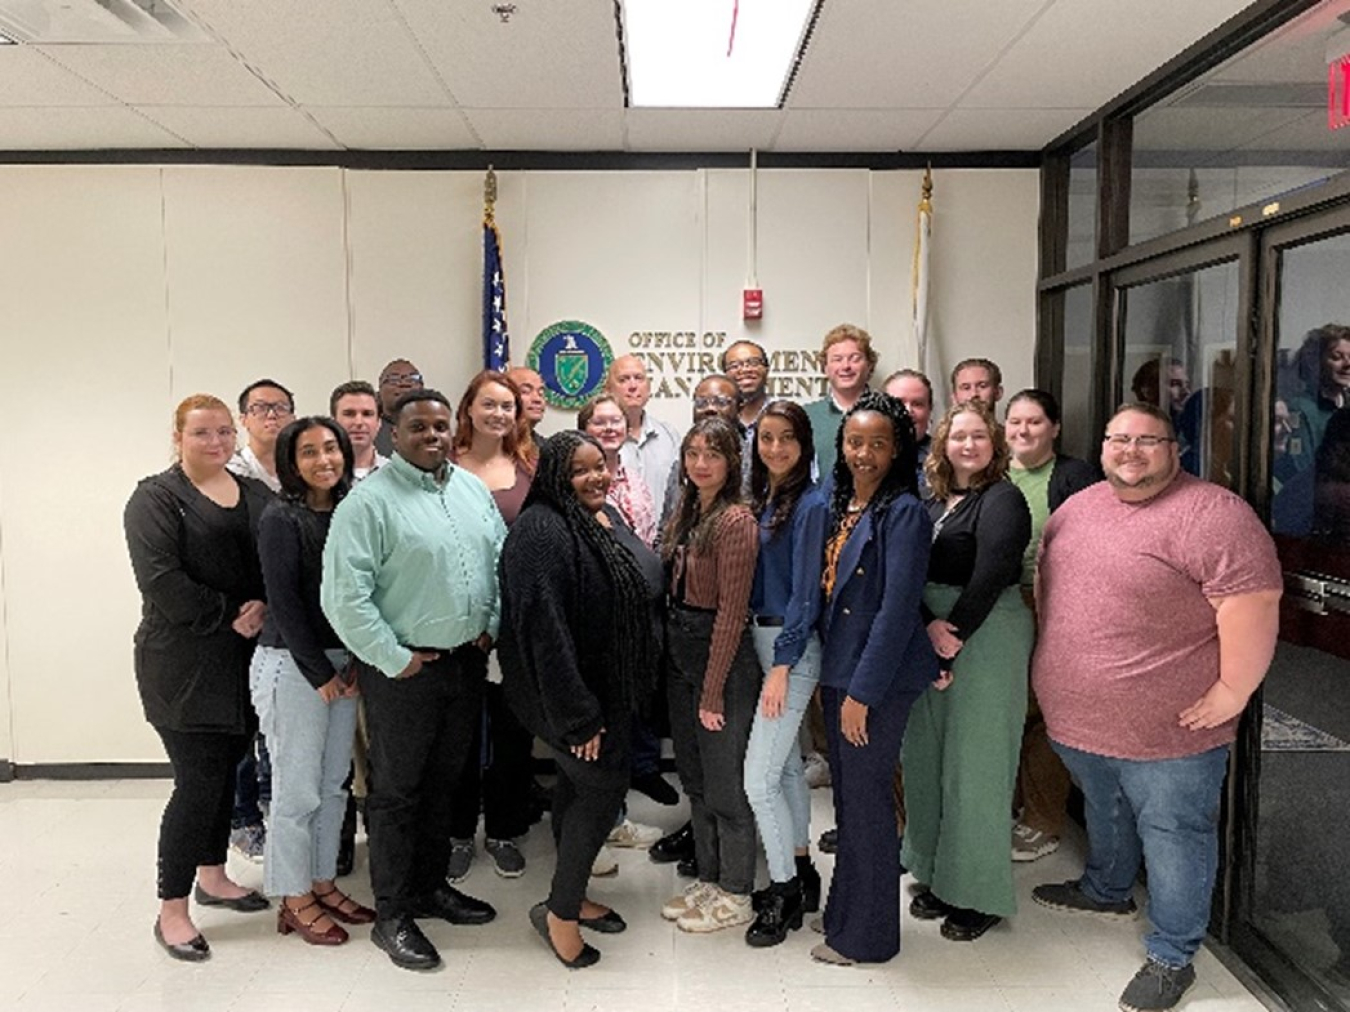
(489, 193)
(928, 182)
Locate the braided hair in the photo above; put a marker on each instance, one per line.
(633, 648)
(794, 486)
(901, 478)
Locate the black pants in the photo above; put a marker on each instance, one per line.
(195, 827)
(503, 787)
(711, 764)
(586, 802)
(421, 740)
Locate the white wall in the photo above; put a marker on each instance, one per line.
(124, 289)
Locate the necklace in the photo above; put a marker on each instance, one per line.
(856, 507)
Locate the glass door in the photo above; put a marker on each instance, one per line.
(1291, 874)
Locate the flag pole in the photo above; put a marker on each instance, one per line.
(919, 275)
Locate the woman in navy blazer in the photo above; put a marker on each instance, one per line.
(876, 660)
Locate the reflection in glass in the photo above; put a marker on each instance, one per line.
(1082, 241)
(1077, 437)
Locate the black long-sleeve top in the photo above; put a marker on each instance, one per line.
(195, 563)
(979, 548)
(290, 543)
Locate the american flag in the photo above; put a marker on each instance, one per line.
(496, 339)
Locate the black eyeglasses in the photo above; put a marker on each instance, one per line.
(1121, 441)
(399, 378)
(261, 409)
(715, 401)
(755, 362)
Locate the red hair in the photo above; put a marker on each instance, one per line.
(518, 444)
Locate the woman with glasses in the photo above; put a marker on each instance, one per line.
(493, 442)
(192, 535)
(303, 689)
(965, 734)
(1045, 479)
(603, 420)
(578, 595)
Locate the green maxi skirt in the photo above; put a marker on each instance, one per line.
(960, 758)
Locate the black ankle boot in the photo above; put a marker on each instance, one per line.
(781, 913)
(810, 880)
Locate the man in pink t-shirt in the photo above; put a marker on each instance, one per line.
(1158, 597)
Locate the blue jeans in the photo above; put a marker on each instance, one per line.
(1165, 813)
(775, 783)
(311, 753)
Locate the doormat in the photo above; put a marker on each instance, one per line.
(1282, 733)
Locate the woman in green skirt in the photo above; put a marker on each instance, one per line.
(962, 744)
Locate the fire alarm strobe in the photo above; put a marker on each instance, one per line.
(752, 303)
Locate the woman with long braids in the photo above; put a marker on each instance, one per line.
(784, 608)
(710, 544)
(579, 590)
(965, 734)
(303, 689)
(875, 661)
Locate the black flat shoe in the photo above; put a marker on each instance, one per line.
(402, 940)
(829, 841)
(677, 846)
(610, 923)
(455, 907)
(687, 868)
(963, 925)
(249, 903)
(588, 956)
(927, 907)
(193, 951)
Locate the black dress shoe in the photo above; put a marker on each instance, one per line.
(588, 956)
(609, 923)
(964, 925)
(656, 787)
(249, 903)
(675, 847)
(346, 858)
(927, 907)
(687, 867)
(405, 944)
(193, 951)
(780, 913)
(449, 904)
(829, 841)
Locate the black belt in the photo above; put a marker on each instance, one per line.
(681, 606)
(767, 621)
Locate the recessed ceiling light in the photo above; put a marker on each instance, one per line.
(712, 53)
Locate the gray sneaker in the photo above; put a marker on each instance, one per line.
(506, 857)
(462, 853)
(249, 842)
(1069, 897)
(1156, 988)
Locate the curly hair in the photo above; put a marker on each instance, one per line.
(798, 480)
(938, 469)
(1314, 349)
(687, 523)
(517, 443)
(902, 476)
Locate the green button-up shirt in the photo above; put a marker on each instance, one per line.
(411, 562)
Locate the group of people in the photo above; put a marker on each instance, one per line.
(975, 618)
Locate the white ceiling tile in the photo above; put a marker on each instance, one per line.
(701, 129)
(29, 78)
(396, 129)
(548, 129)
(913, 55)
(548, 56)
(853, 129)
(246, 127)
(338, 52)
(1085, 52)
(999, 129)
(166, 75)
(35, 128)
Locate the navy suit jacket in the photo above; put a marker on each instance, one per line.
(872, 629)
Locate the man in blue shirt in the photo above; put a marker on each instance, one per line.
(410, 586)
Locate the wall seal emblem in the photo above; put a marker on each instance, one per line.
(573, 358)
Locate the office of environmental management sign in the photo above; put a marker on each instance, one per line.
(573, 358)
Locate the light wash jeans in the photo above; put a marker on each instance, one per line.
(775, 782)
(1165, 813)
(311, 746)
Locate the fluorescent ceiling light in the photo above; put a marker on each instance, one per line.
(712, 53)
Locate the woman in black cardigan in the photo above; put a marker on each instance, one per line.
(577, 645)
(192, 535)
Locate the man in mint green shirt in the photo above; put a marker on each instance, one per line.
(410, 587)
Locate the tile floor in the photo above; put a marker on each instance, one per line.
(77, 877)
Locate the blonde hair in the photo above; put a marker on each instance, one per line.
(938, 469)
(860, 337)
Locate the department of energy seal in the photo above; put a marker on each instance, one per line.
(573, 358)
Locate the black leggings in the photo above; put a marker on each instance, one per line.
(195, 827)
(586, 802)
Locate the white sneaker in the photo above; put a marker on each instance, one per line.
(1029, 844)
(723, 910)
(633, 834)
(687, 900)
(605, 864)
(817, 771)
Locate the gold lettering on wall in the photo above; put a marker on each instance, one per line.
(677, 359)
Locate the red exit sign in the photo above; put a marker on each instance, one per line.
(1338, 93)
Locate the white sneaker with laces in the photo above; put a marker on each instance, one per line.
(688, 899)
(1029, 844)
(633, 834)
(722, 910)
